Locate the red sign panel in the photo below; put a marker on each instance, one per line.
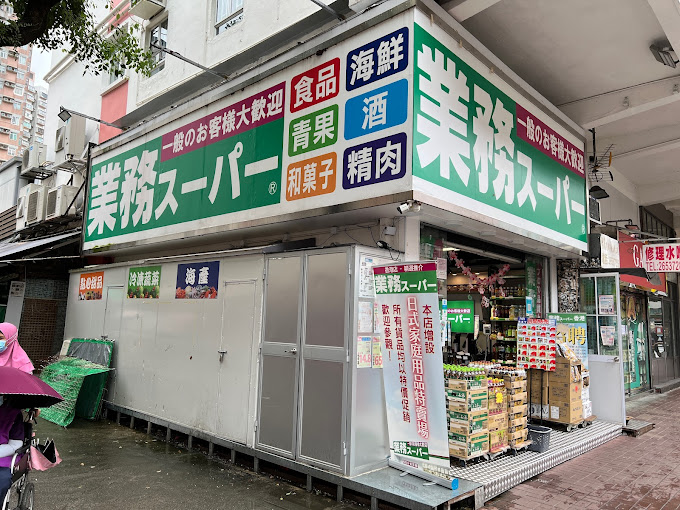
(534, 131)
(91, 286)
(314, 86)
(631, 254)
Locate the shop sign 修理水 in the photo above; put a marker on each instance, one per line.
(476, 147)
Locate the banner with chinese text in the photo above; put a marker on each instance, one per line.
(572, 330)
(662, 258)
(475, 146)
(198, 280)
(91, 286)
(406, 295)
(144, 282)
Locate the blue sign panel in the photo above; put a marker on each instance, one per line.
(199, 280)
(375, 161)
(379, 109)
(377, 60)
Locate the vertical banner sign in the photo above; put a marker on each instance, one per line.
(412, 366)
(144, 282)
(198, 280)
(571, 329)
(91, 286)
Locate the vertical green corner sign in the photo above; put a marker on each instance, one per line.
(227, 161)
(488, 153)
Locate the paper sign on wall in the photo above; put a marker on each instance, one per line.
(364, 351)
(198, 280)
(91, 286)
(144, 282)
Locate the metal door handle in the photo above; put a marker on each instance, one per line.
(221, 353)
(616, 359)
(292, 351)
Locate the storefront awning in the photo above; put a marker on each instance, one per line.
(12, 250)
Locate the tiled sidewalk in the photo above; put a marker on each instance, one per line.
(627, 472)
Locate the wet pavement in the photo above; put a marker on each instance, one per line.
(110, 466)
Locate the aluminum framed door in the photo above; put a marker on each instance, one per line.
(304, 358)
(115, 295)
(324, 360)
(600, 299)
(277, 410)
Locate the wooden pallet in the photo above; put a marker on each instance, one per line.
(524, 445)
(464, 460)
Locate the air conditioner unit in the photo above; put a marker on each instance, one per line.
(594, 209)
(58, 199)
(35, 206)
(146, 9)
(37, 210)
(33, 158)
(70, 140)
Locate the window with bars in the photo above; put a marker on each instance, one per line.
(653, 225)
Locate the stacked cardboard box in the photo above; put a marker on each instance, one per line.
(516, 388)
(468, 417)
(498, 418)
(557, 396)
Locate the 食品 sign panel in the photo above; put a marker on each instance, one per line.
(408, 304)
(477, 147)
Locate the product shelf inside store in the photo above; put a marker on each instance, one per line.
(499, 298)
(496, 319)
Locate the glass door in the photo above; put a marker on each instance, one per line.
(634, 342)
(600, 300)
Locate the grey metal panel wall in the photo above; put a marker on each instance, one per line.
(166, 358)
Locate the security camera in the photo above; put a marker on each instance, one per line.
(409, 206)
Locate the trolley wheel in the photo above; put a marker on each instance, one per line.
(569, 428)
(26, 498)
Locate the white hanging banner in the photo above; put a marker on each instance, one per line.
(406, 295)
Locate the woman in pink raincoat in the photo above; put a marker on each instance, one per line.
(11, 353)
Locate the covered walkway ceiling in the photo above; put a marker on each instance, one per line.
(592, 60)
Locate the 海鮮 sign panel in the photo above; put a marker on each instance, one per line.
(330, 129)
(477, 147)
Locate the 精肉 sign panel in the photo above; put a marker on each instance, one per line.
(477, 147)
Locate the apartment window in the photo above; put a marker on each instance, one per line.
(159, 37)
(228, 13)
(27, 124)
(22, 59)
(3, 53)
(11, 150)
(13, 135)
(17, 105)
(39, 139)
(19, 90)
(16, 119)
(21, 75)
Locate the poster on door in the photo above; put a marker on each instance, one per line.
(572, 330)
(606, 304)
(406, 294)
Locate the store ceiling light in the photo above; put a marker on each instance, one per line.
(448, 246)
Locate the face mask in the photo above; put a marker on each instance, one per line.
(3, 345)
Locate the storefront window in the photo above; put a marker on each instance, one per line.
(599, 298)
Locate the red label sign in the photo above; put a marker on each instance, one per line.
(533, 130)
(314, 86)
(631, 254)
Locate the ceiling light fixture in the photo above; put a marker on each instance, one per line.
(664, 55)
(598, 192)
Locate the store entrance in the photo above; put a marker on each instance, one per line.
(634, 342)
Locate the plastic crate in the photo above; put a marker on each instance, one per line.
(540, 437)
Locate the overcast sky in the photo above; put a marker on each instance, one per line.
(40, 64)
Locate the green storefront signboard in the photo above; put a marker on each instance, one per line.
(487, 153)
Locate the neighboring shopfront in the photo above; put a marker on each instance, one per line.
(241, 295)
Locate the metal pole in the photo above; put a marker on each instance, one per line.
(329, 9)
(93, 118)
(189, 61)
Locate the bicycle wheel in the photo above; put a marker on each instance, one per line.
(26, 498)
(13, 501)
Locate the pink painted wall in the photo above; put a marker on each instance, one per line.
(114, 106)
